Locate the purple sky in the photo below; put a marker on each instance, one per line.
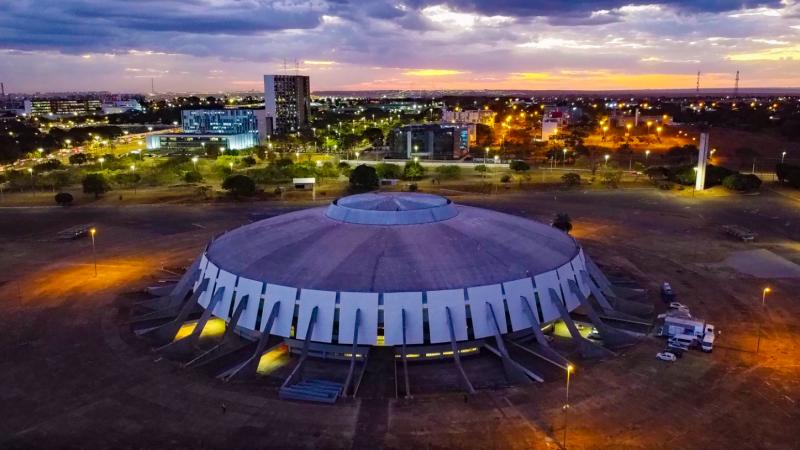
(223, 45)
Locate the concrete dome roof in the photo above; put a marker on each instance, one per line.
(392, 242)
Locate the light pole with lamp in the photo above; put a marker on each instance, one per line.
(646, 155)
(564, 161)
(92, 232)
(133, 177)
(570, 369)
(101, 160)
(606, 158)
(783, 155)
(194, 162)
(764, 293)
(33, 186)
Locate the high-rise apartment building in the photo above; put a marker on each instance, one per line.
(287, 100)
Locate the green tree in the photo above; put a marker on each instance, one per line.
(239, 185)
(519, 166)
(571, 179)
(95, 183)
(78, 159)
(388, 171)
(64, 198)
(563, 222)
(612, 177)
(413, 170)
(192, 176)
(364, 178)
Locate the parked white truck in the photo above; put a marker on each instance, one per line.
(703, 333)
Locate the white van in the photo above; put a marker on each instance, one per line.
(682, 341)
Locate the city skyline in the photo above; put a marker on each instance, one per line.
(224, 45)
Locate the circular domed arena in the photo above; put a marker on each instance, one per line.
(413, 272)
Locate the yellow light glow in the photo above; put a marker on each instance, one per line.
(432, 72)
(273, 359)
(215, 327)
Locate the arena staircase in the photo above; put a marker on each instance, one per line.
(316, 390)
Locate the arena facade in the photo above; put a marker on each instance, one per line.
(415, 272)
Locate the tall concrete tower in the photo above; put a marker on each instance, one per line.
(702, 162)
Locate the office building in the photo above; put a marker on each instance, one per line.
(287, 100)
(217, 129)
(62, 107)
(429, 141)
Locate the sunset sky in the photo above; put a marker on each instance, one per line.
(223, 45)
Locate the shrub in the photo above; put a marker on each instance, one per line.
(481, 168)
(78, 159)
(413, 170)
(742, 182)
(192, 176)
(449, 172)
(787, 173)
(249, 161)
(388, 171)
(413, 187)
(239, 185)
(364, 177)
(95, 183)
(563, 222)
(64, 198)
(571, 179)
(519, 166)
(505, 178)
(612, 177)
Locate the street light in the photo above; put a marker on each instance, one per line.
(357, 154)
(658, 133)
(783, 155)
(92, 232)
(570, 369)
(764, 293)
(230, 165)
(605, 128)
(646, 154)
(565, 156)
(194, 161)
(101, 160)
(606, 158)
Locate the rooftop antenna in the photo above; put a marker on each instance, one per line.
(2, 90)
(698, 83)
(285, 72)
(736, 86)
(296, 67)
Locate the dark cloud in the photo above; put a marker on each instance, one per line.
(584, 8)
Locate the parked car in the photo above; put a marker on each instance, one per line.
(666, 292)
(678, 305)
(666, 356)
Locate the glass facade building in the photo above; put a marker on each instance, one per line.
(206, 129)
(222, 121)
(429, 141)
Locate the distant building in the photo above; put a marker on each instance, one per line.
(287, 100)
(473, 116)
(218, 129)
(470, 118)
(550, 127)
(566, 115)
(62, 107)
(429, 141)
(122, 106)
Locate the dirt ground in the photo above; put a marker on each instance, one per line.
(74, 377)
